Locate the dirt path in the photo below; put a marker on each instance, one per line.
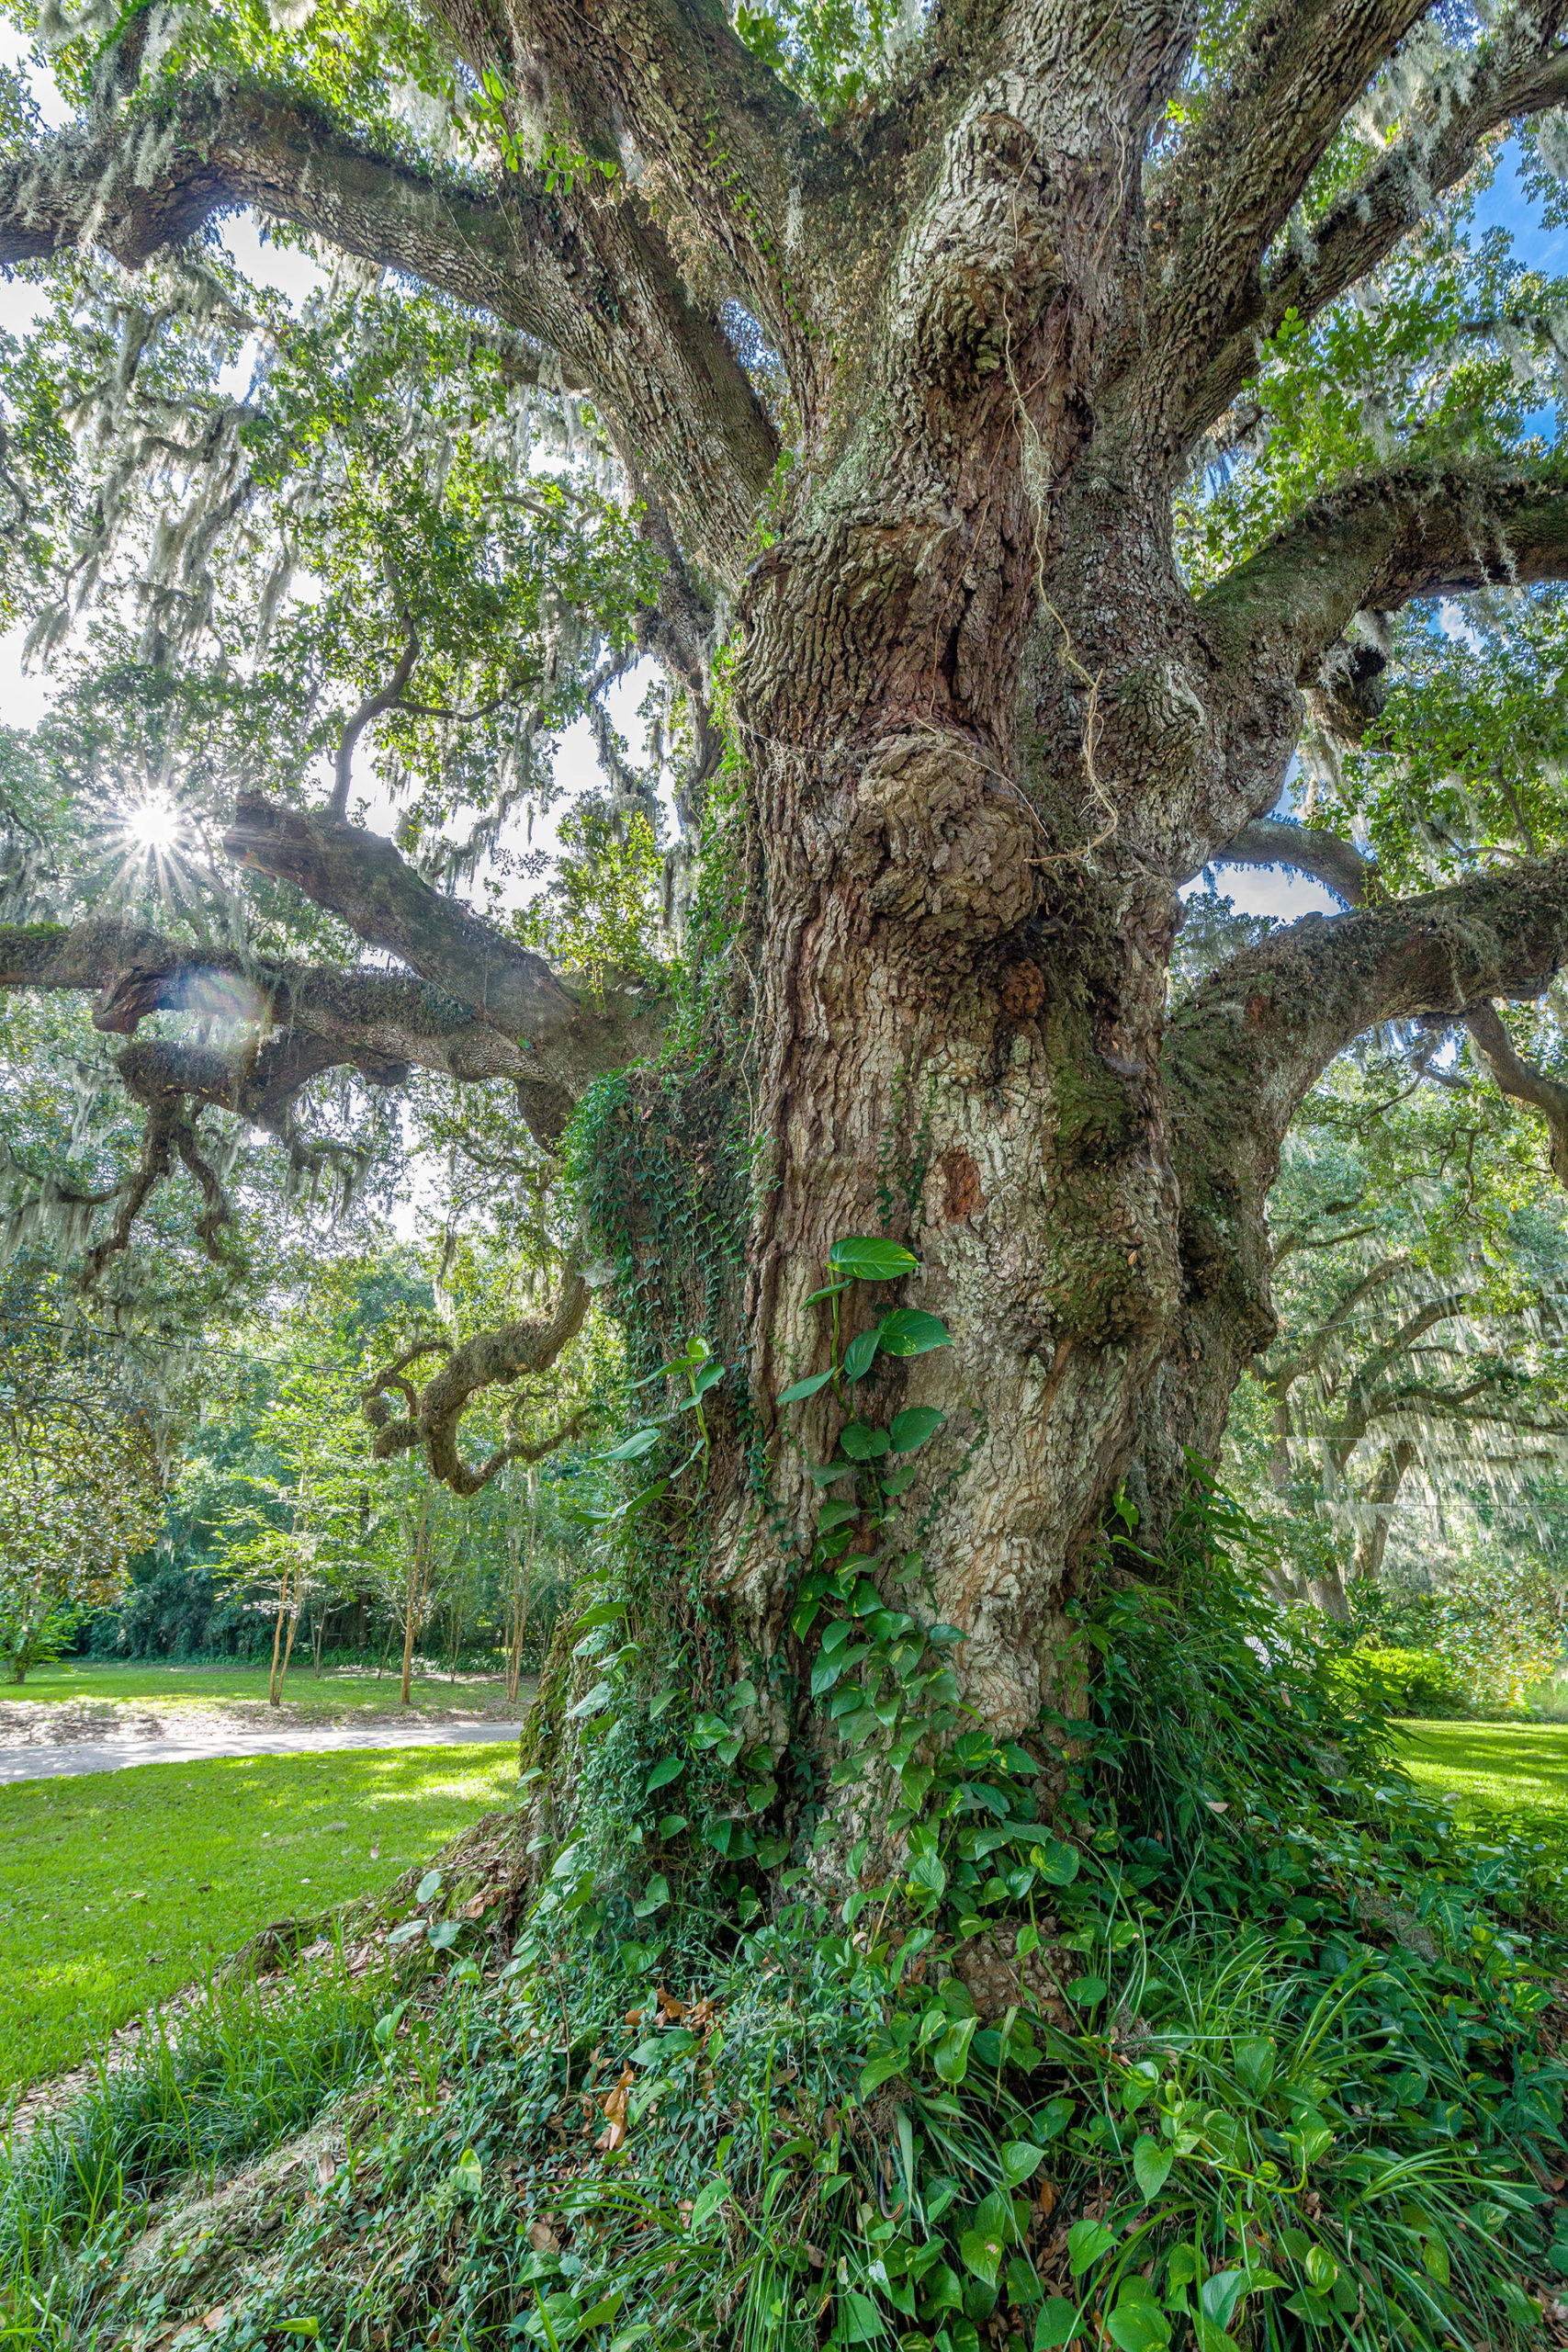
(40, 1760)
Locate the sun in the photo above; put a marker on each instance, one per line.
(153, 825)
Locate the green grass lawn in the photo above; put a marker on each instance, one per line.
(1519, 1769)
(338, 1691)
(119, 1887)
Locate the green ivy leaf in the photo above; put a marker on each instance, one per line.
(669, 1768)
(429, 1887)
(915, 1427)
(1057, 2325)
(950, 2054)
(1137, 2323)
(640, 1441)
(800, 1389)
(981, 2254)
(1056, 1863)
(860, 1354)
(1020, 2160)
(910, 1331)
(871, 1258)
(1086, 2243)
(655, 1896)
(864, 1443)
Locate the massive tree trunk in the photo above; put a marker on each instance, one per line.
(985, 731)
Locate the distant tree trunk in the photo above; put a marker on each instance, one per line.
(318, 1637)
(1378, 1503)
(521, 1587)
(273, 1692)
(415, 1594)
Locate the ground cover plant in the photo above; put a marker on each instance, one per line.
(305, 1695)
(1241, 2054)
(118, 1888)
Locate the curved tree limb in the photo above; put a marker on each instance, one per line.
(490, 1359)
(1245, 1048)
(1222, 200)
(363, 878)
(1512, 1075)
(667, 93)
(1270, 841)
(1413, 531)
(1274, 627)
(592, 277)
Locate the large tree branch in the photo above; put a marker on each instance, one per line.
(1268, 841)
(490, 1358)
(312, 1017)
(1512, 1075)
(362, 878)
(1376, 543)
(1243, 1050)
(667, 92)
(1220, 203)
(1276, 623)
(592, 277)
(1282, 1376)
(1522, 71)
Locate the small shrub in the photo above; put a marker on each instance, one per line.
(1401, 1682)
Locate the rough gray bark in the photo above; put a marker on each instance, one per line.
(987, 730)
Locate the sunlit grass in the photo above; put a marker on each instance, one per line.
(119, 1887)
(103, 1683)
(1518, 1769)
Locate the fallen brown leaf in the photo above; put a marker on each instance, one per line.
(542, 2238)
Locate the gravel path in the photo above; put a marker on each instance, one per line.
(40, 1763)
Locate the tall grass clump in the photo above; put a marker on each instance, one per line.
(227, 2076)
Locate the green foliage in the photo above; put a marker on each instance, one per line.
(1258, 2059)
(1404, 1682)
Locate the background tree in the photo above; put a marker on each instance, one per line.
(81, 1473)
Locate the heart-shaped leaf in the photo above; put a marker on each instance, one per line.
(910, 1331)
(800, 1389)
(1151, 2165)
(914, 1426)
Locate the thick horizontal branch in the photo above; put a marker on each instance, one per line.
(1414, 531)
(1270, 841)
(1521, 71)
(592, 277)
(362, 879)
(1278, 622)
(1243, 1050)
(312, 1017)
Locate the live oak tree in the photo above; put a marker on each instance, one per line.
(1417, 1268)
(1009, 434)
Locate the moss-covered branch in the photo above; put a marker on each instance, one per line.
(592, 278)
(1241, 1052)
